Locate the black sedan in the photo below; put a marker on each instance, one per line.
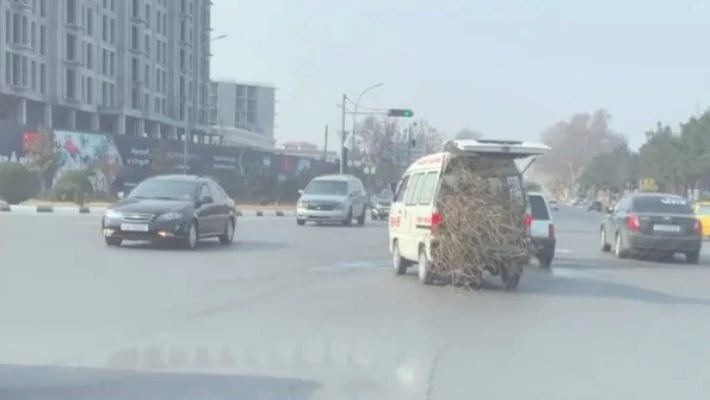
(655, 223)
(596, 205)
(380, 208)
(173, 208)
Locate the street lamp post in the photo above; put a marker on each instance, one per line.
(343, 138)
(192, 115)
(369, 170)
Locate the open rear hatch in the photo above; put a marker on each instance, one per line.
(509, 149)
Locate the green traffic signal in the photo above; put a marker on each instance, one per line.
(400, 113)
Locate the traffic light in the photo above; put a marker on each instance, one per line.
(393, 112)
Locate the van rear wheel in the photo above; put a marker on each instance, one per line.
(511, 276)
(398, 263)
(426, 276)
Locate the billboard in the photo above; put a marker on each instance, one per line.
(120, 160)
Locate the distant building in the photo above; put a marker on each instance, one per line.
(118, 66)
(243, 113)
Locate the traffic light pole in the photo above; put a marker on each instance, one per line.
(342, 134)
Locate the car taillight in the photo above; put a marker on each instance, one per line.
(436, 221)
(551, 231)
(698, 228)
(633, 223)
(528, 221)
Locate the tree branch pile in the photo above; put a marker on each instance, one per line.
(483, 226)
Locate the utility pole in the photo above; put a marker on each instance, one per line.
(409, 145)
(343, 150)
(325, 144)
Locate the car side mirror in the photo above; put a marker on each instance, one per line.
(206, 200)
(120, 195)
(300, 191)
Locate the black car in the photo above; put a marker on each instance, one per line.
(380, 208)
(174, 208)
(596, 205)
(654, 223)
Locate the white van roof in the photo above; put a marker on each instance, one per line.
(512, 147)
(524, 149)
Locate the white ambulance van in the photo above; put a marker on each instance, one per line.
(414, 217)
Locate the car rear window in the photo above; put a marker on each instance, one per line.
(661, 205)
(538, 208)
(703, 209)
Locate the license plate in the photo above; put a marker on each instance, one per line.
(666, 228)
(134, 227)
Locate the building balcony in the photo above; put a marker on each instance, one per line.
(21, 5)
(20, 47)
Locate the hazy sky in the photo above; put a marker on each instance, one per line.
(506, 68)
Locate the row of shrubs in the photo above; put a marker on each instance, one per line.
(18, 184)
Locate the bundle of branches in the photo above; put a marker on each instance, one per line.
(483, 226)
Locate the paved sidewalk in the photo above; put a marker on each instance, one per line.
(267, 211)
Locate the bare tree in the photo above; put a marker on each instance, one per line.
(575, 142)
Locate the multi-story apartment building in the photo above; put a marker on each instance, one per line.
(243, 113)
(120, 66)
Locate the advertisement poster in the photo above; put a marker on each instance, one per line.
(80, 151)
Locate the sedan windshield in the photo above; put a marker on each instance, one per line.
(164, 189)
(337, 188)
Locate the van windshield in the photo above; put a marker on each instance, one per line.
(326, 187)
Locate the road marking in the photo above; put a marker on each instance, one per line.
(562, 272)
(352, 265)
(564, 251)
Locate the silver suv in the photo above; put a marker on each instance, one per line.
(332, 198)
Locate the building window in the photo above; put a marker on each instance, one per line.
(16, 28)
(70, 11)
(16, 70)
(134, 38)
(90, 22)
(71, 46)
(33, 33)
(42, 40)
(89, 90)
(8, 67)
(90, 56)
(42, 8)
(33, 76)
(43, 78)
(104, 28)
(70, 84)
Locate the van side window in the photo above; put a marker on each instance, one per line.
(428, 187)
(414, 186)
(401, 190)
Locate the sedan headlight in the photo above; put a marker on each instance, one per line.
(111, 214)
(170, 216)
(302, 204)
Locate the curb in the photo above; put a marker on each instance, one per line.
(26, 209)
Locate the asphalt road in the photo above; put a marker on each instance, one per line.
(321, 305)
